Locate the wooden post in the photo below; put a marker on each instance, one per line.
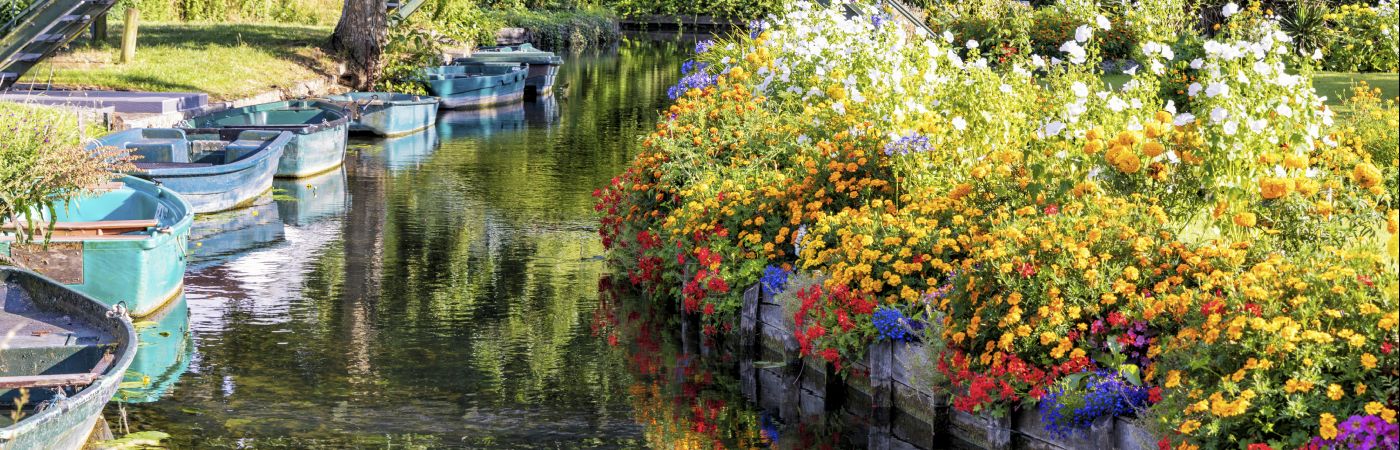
(133, 19)
(99, 30)
(748, 343)
(881, 393)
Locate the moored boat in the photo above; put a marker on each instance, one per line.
(389, 113)
(544, 66)
(123, 243)
(213, 171)
(63, 358)
(476, 86)
(313, 199)
(319, 132)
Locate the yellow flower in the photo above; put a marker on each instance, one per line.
(1245, 219)
(1335, 392)
(1295, 161)
(1388, 414)
(1374, 408)
(1191, 425)
(1328, 426)
(1272, 188)
(1366, 175)
(1368, 361)
(1173, 379)
(1152, 149)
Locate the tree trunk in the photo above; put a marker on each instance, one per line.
(359, 41)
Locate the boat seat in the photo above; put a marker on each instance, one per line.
(167, 165)
(102, 228)
(58, 379)
(248, 142)
(161, 150)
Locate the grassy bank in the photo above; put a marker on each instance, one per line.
(1336, 86)
(558, 29)
(225, 60)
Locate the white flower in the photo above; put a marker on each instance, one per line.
(1052, 129)
(1103, 23)
(1193, 89)
(972, 44)
(1231, 128)
(1184, 119)
(1258, 125)
(1005, 88)
(1317, 54)
(1284, 110)
(1117, 104)
(1230, 9)
(1218, 114)
(1083, 33)
(1075, 52)
(959, 123)
(839, 107)
(948, 37)
(1080, 90)
(1217, 88)
(1197, 63)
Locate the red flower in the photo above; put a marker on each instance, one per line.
(1052, 209)
(1154, 395)
(1164, 444)
(1260, 446)
(709, 308)
(1027, 270)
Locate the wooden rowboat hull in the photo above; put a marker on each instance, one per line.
(104, 349)
(390, 114)
(144, 270)
(319, 132)
(217, 187)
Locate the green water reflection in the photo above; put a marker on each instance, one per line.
(441, 291)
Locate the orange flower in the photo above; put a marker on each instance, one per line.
(1245, 219)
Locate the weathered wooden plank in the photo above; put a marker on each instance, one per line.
(748, 321)
(1129, 436)
(47, 381)
(771, 390)
(881, 363)
(979, 431)
(1031, 434)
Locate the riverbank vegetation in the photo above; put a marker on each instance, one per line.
(1207, 246)
(45, 166)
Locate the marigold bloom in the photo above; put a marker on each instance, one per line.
(1245, 219)
(1366, 175)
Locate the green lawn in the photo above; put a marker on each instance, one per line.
(225, 60)
(1336, 86)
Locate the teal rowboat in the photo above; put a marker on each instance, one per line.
(162, 356)
(214, 172)
(409, 152)
(544, 66)
(124, 243)
(66, 352)
(476, 86)
(388, 113)
(319, 131)
(480, 123)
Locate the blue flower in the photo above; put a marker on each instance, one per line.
(879, 20)
(704, 46)
(1106, 393)
(774, 279)
(756, 28)
(697, 78)
(910, 143)
(892, 325)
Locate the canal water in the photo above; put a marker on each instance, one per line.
(443, 289)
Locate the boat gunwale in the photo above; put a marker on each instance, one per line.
(251, 162)
(343, 117)
(107, 382)
(422, 101)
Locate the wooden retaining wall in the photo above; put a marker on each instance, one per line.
(880, 396)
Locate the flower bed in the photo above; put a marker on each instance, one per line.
(1226, 254)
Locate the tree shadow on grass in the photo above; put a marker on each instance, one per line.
(296, 43)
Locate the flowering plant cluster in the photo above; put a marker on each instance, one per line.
(1227, 251)
(1363, 38)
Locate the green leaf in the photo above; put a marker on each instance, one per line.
(1132, 373)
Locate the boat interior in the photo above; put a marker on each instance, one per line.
(284, 115)
(114, 211)
(470, 70)
(45, 349)
(170, 148)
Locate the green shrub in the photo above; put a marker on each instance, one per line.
(558, 29)
(42, 164)
(1365, 39)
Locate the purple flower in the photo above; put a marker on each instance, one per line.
(704, 46)
(910, 143)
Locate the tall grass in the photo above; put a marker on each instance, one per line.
(304, 12)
